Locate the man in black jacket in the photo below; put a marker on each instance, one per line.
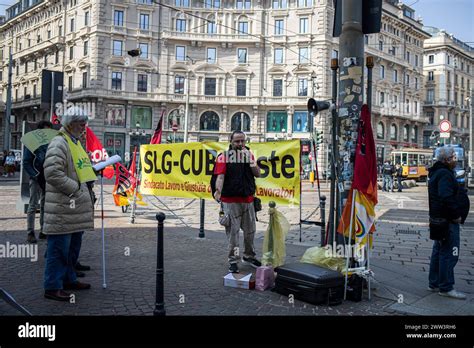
(236, 170)
(33, 164)
(444, 205)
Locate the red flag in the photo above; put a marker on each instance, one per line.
(156, 139)
(133, 167)
(365, 162)
(55, 119)
(97, 152)
(124, 183)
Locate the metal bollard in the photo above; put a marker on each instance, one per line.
(322, 207)
(201, 222)
(160, 291)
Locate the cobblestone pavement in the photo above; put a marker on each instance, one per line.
(194, 267)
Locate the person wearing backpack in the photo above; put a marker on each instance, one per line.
(33, 164)
(233, 185)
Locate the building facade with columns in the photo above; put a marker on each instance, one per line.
(449, 81)
(228, 64)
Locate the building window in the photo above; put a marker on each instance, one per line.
(366, 39)
(279, 27)
(415, 107)
(380, 45)
(277, 88)
(407, 79)
(407, 104)
(34, 91)
(278, 55)
(380, 131)
(118, 47)
(72, 26)
(416, 60)
(416, 83)
(86, 48)
(182, 3)
(382, 98)
(408, 56)
(180, 25)
(117, 80)
(277, 121)
(279, 4)
(174, 119)
(414, 134)
(393, 51)
(86, 18)
(118, 18)
(211, 27)
(69, 83)
(210, 86)
(242, 55)
(302, 87)
(211, 55)
(303, 25)
(430, 115)
(144, 21)
(26, 67)
(240, 121)
(212, 3)
(143, 50)
(180, 53)
(141, 115)
(243, 27)
(142, 83)
(395, 75)
(300, 121)
(56, 57)
(430, 95)
(430, 75)
(382, 72)
(305, 3)
(393, 132)
(179, 84)
(209, 121)
(60, 30)
(304, 55)
(49, 33)
(243, 4)
(71, 53)
(84, 79)
(241, 87)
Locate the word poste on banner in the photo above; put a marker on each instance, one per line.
(185, 170)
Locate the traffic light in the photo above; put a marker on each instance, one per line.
(318, 138)
(134, 53)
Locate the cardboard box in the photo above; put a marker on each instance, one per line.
(241, 281)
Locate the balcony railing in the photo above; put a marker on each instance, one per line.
(209, 37)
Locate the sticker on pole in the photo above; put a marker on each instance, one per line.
(445, 126)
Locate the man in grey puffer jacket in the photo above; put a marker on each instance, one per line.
(68, 210)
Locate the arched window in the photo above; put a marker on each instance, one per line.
(393, 132)
(414, 134)
(240, 121)
(380, 130)
(406, 129)
(209, 121)
(174, 118)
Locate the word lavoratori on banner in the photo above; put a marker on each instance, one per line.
(185, 169)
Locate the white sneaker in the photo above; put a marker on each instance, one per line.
(432, 289)
(453, 294)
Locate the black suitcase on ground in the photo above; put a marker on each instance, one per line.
(310, 283)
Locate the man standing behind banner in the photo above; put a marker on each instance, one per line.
(69, 205)
(236, 170)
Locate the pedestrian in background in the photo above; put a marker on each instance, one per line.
(68, 206)
(9, 165)
(399, 176)
(446, 211)
(387, 172)
(33, 165)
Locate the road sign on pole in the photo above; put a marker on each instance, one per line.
(445, 126)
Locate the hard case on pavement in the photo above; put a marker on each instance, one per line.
(310, 283)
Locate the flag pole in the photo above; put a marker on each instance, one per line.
(348, 251)
(368, 262)
(104, 284)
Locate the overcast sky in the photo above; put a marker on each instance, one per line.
(455, 16)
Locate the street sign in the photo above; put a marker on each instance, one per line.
(444, 135)
(445, 126)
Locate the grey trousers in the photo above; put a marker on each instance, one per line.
(36, 194)
(242, 216)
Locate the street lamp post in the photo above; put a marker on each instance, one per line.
(139, 133)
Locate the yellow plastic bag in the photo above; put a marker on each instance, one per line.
(322, 256)
(274, 248)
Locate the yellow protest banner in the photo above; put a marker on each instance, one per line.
(185, 170)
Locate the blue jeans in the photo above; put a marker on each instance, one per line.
(61, 256)
(444, 257)
(387, 183)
